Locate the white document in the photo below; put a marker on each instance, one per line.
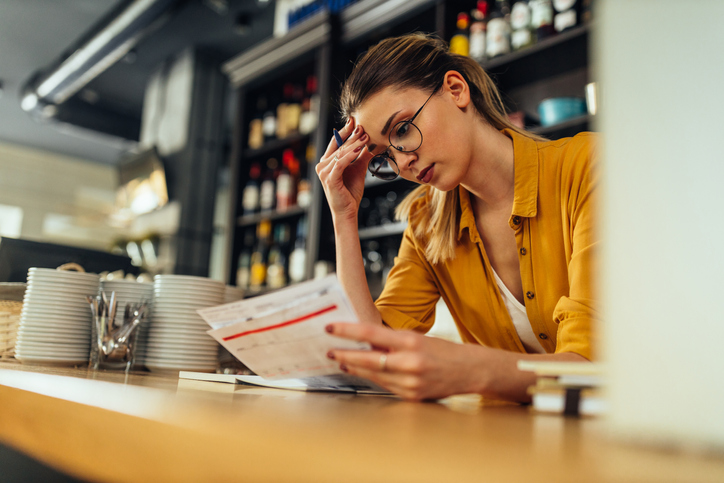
(281, 335)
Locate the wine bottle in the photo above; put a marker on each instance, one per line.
(285, 184)
(250, 195)
(256, 126)
(460, 41)
(276, 276)
(309, 118)
(567, 14)
(298, 257)
(259, 256)
(498, 39)
(541, 12)
(267, 191)
(520, 23)
(269, 123)
(243, 271)
(479, 31)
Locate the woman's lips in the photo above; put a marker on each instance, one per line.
(426, 174)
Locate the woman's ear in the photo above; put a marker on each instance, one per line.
(457, 86)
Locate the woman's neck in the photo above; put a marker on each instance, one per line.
(491, 175)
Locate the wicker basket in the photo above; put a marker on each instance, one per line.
(9, 320)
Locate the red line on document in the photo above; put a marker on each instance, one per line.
(282, 324)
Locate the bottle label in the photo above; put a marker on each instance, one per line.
(521, 38)
(460, 45)
(275, 277)
(267, 195)
(565, 20)
(498, 35)
(520, 16)
(477, 41)
(284, 191)
(269, 125)
(297, 261)
(250, 199)
(242, 277)
(541, 12)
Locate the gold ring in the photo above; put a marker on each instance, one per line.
(383, 362)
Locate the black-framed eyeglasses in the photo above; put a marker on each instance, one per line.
(404, 137)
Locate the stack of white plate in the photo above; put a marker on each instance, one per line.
(55, 323)
(130, 291)
(177, 337)
(233, 294)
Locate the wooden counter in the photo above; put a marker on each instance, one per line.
(103, 426)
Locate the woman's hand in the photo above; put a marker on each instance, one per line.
(411, 365)
(342, 170)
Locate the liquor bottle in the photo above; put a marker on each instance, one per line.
(276, 272)
(520, 23)
(498, 39)
(541, 13)
(294, 108)
(243, 271)
(460, 42)
(309, 118)
(282, 122)
(256, 126)
(267, 192)
(259, 256)
(567, 14)
(298, 257)
(479, 31)
(250, 195)
(269, 123)
(285, 184)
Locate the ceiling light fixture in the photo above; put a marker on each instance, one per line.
(110, 44)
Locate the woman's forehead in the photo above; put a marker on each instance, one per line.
(374, 112)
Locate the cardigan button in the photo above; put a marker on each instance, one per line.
(530, 295)
(516, 220)
(542, 336)
(523, 251)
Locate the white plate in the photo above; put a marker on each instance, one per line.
(57, 318)
(75, 299)
(39, 313)
(180, 355)
(51, 308)
(32, 350)
(188, 279)
(181, 291)
(51, 272)
(54, 338)
(51, 322)
(54, 329)
(194, 341)
(161, 332)
(182, 344)
(72, 361)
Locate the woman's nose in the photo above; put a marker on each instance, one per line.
(405, 160)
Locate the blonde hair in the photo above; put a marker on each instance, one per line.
(421, 61)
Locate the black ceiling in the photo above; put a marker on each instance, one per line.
(34, 34)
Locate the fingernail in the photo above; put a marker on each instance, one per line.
(348, 121)
(343, 368)
(330, 355)
(329, 329)
(356, 130)
(358, 149)
(364, 137)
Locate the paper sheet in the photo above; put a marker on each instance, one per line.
(281, 335)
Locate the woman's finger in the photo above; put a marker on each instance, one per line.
(376, 335)
(344, 133)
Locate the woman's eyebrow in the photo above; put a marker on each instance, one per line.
(389, 121)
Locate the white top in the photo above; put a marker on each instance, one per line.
(520, 319)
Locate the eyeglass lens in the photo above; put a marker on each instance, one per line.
(383, 167)
(404, 137)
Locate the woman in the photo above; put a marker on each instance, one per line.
(501, 228)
